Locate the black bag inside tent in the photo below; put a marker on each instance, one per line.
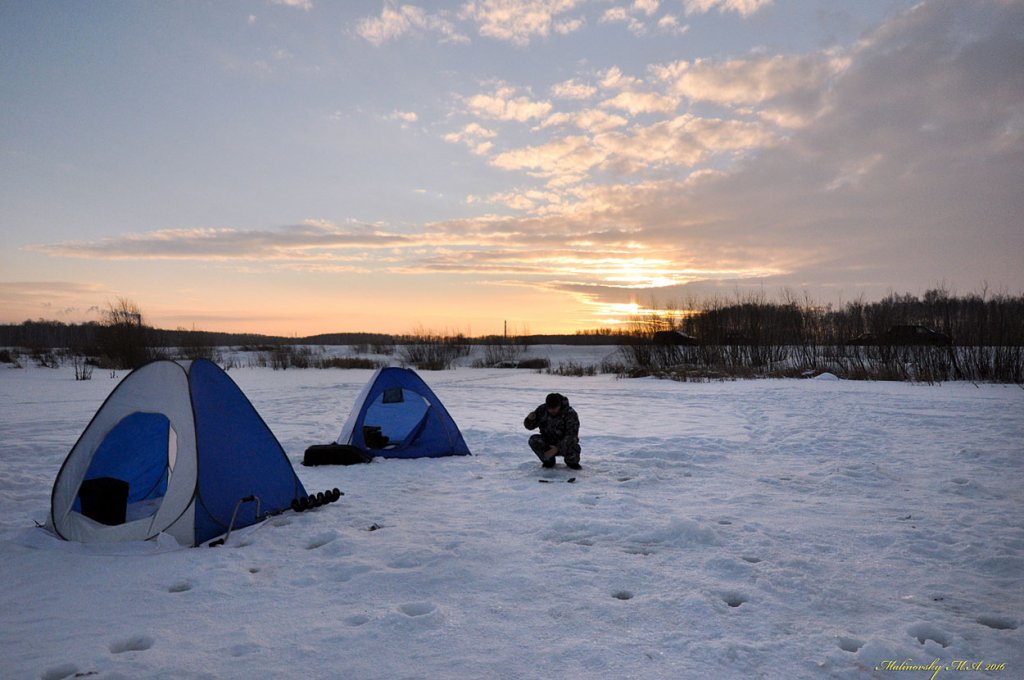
(104, 499)
(334, 454)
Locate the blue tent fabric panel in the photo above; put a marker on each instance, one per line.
(238, 455)
(396, 419)
(134, 451)
(423, 427)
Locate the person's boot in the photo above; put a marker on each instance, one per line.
(574, 465)
(548, 462)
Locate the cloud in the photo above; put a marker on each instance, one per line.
(570, 89)
(742, 7)
(309, 239)
(297, 4)
(648, 7)
(589, 120)
(641, 102)
(567, 26)
(473, 136)
(63, 300)
(679, 143)
(670, 24)
(521, 21)
(682, 142)
(506, 104)
(753, 80)
(567, 159)
(405, 118)
(615, 79)
(527, 200)
(397, 21)
(632, 16)
(621, 15)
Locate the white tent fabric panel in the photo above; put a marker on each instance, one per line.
(353, 418)
(160, 387)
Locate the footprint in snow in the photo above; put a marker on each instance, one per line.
(998, 622)
(734, 599)
(321, 540)
(417, 609)
(65, 670)
(180, 587)
(848, 644)
(136, 643)
(347, 572)
(357, 620)
(243, 649)
(622, 595)
(411, 560)
(925, 631)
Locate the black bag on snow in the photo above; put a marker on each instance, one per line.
(334, 454)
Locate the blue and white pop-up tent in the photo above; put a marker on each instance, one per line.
(176, 448)
(397, 416)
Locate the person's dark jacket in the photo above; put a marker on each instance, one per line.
(557, 430)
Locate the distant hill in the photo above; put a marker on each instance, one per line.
(54, 334)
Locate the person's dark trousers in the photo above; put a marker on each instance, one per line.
(540, 447)
(569, 449)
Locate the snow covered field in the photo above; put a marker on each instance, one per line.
(760, 529)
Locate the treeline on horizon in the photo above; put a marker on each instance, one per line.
(749, 335)
(973, 320)
(87, 336)
(936, 337)
(976, 319)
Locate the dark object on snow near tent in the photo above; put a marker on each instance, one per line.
(104, 499)
(397, 416)
(191, 451)
(374, 438)
(334, 454)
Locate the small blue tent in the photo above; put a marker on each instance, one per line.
(397, 416)
(174, 449)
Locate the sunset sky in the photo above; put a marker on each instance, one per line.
(301, 166)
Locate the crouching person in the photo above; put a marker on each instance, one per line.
(559, 431)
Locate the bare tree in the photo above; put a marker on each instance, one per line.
(123, 342)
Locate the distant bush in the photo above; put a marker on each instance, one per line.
(572, 368)
(46, 358)
(7, 358)
(83, 368)
(348, 362)
(429, 351)
(536, 363)
(283, 357)
(613, 367)
(500, 351)
(193, 344)
(384, 345)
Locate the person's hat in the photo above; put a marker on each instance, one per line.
(553, 400)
